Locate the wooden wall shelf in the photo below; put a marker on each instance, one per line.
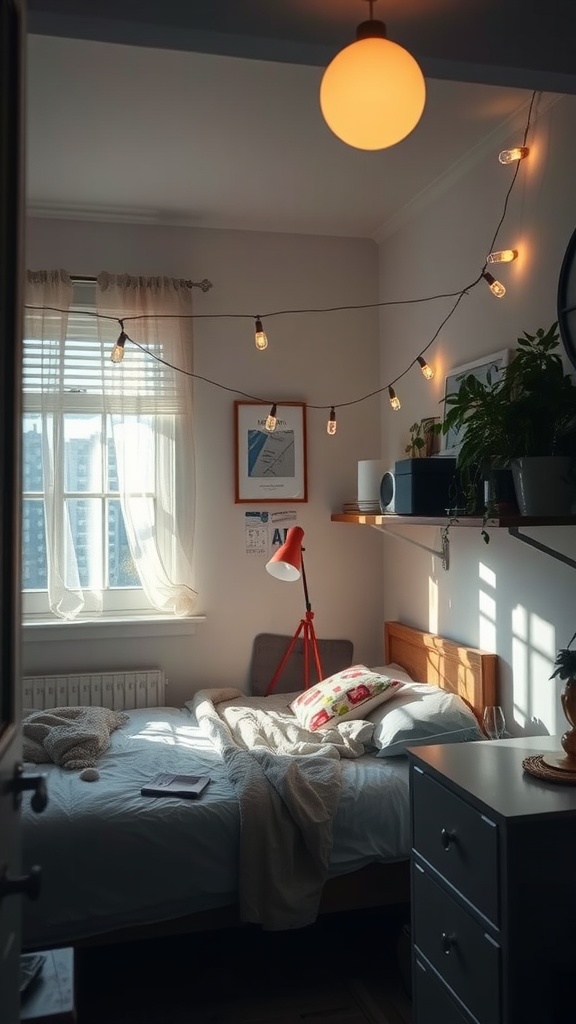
(501, 522)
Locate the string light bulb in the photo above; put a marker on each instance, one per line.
(427, 371)
(503, 256)
(394, 400)
(509, 156)
(118, 351)
(496, 287)
(372, 93)
(271, 420)
(260, 339)
(331, 425)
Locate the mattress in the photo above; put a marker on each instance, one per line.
(112, 858)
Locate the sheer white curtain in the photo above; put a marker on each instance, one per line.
(45, 343)
(150, 407)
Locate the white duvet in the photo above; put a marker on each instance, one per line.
(288, 783)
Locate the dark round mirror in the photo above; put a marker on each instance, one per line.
(566, 302)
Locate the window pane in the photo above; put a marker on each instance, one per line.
(34, 564)
(85, 521)
(121, 569)
(83, 452)
(32, 475)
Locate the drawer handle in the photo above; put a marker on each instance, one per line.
(447, 838)
(448, 941)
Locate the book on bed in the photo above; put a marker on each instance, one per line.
(188, 786)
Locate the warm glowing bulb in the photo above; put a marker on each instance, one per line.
(331, 425)
(427, 371)
(394, 400)
(495, 286)
(373, 92)
(260, 339)
(508, 156)
(118, 351)
(271, 420)
(504, 256)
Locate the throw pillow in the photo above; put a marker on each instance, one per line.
(350, 694)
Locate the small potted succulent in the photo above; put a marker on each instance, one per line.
(565, 669)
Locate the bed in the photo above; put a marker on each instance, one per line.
(119, 866)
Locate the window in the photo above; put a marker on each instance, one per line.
(99, 454)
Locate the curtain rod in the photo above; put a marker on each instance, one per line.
(205, 285)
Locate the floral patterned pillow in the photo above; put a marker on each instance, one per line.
(349, 694)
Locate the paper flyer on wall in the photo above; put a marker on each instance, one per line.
(264, 532)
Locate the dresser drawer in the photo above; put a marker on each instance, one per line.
(432, 1004)
(457, 946)
(457, 840)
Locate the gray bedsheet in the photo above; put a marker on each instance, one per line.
(112, 858)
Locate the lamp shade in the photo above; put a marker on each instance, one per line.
(373, 92)
(286, 562)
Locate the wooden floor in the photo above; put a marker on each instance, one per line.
(343, 970)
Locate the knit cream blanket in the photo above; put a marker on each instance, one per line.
(73, 738)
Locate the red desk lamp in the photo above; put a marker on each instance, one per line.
(287, 563)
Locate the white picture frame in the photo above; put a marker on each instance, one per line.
(479, 368)
(270, 466)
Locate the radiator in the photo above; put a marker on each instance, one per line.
(121, 691)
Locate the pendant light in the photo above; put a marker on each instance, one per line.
(373, 92)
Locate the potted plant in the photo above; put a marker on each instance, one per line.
(525, 420)
(565, 669)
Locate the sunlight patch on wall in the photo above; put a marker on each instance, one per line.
(542, 650)
(432, 605)
(487, 608)
(533, 650)
(521, 699)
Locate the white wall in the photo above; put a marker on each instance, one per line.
(316, 358)
(504, 596)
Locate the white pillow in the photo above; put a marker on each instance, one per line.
(347, 695)
(422, 714)
(394, 671)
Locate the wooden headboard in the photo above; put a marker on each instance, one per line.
(429, 658)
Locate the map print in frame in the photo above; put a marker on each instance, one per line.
(270, 465)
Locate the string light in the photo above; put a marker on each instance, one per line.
(394, 400)
(509, 156)
(427, 371)
(496, 287)
(503, 256)
(260, 339)
(271, 420)
(118, 351)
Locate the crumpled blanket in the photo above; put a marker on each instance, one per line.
(73, 738)
(287, 801)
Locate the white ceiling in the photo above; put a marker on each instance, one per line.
(131, 133)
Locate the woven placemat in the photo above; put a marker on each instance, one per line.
(534, 765)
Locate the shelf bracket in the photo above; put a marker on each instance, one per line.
(515, 532)
(443, 554)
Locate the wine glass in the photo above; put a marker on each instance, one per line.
(494, 722)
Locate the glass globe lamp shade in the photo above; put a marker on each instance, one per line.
(372, 93)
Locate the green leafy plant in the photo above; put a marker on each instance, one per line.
(422, 436)
(417, 442)
(528, 409)
(565, 663)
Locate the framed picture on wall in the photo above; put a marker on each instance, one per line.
(481, 369)
(270, 465)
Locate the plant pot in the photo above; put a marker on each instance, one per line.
(544, 485)
(568, 698)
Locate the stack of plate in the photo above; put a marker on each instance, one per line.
(368, 507)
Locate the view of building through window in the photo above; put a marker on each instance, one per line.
(91, 499)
